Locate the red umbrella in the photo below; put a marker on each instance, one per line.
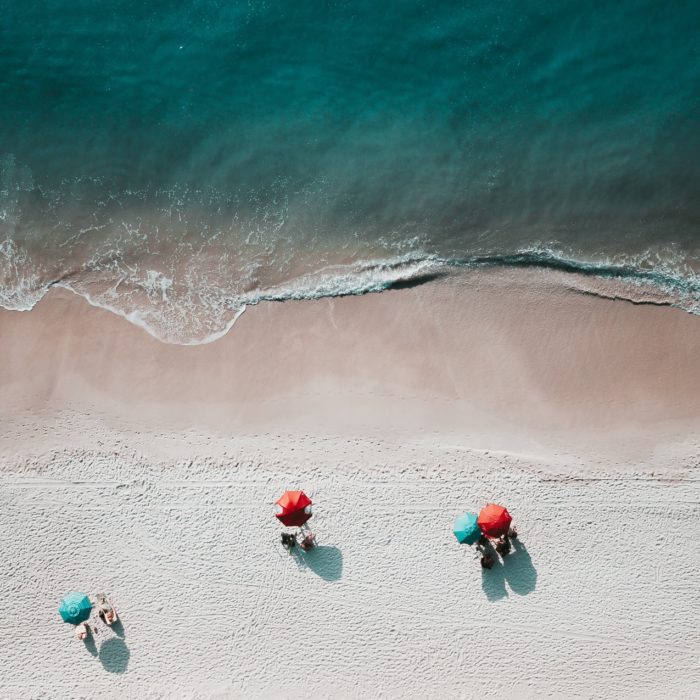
(494, 520)
(295, 508)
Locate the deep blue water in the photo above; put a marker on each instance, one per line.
(175, 160)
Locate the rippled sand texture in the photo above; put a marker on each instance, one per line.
(598, 597)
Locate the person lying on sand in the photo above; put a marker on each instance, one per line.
(82, 631)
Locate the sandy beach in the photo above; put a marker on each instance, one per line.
(150, 471)
(413, 259)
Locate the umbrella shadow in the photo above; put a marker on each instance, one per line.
(118, 628)
(518, 569)
(90, 645)
(493, 581)
(326, 562)
(114, 655)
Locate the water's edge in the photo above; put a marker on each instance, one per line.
(639, 285)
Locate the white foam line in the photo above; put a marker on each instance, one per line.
(134, 317)
(348, 281)
(362, 277)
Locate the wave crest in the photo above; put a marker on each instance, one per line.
(192, 308)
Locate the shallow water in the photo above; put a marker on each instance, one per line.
(174, 164)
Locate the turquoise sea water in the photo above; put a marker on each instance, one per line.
(175, 161)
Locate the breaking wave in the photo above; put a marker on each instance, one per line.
(191, 311)
(666, 274)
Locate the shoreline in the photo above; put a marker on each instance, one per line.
(629, 279)
(524, 362)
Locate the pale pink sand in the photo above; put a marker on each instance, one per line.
(492, 359)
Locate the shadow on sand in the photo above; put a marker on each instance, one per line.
(90, 645)
(114, 655)
(326, 562)
(515, 569)
(519, 571)
(493, 581)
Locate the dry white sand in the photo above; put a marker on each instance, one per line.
(149, 472)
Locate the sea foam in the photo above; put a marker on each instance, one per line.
(192, 312)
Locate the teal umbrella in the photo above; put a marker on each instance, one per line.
(75, 607)
(466, 529)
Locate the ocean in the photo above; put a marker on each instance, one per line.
(177, 162)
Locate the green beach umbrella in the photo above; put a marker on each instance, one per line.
(75, 607)
(466, 529)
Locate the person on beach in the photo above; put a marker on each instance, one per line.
(82, 631)
(483, 547)
(308, 542)
(289, 540)
(109, 617)
(106, 610)
(487, 560)
(503, 546)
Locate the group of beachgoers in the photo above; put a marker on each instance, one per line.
(73, 611)
(491, 531)
(303, 537)
(487, 550)
(294, 510)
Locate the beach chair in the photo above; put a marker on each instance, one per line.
(308, 542)
(82, 631)
(105, 609)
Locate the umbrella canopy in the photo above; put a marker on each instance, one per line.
(294, 508)
(494, 520)
(75, 607)
(466, 529)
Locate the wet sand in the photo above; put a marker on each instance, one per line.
(518, 361)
